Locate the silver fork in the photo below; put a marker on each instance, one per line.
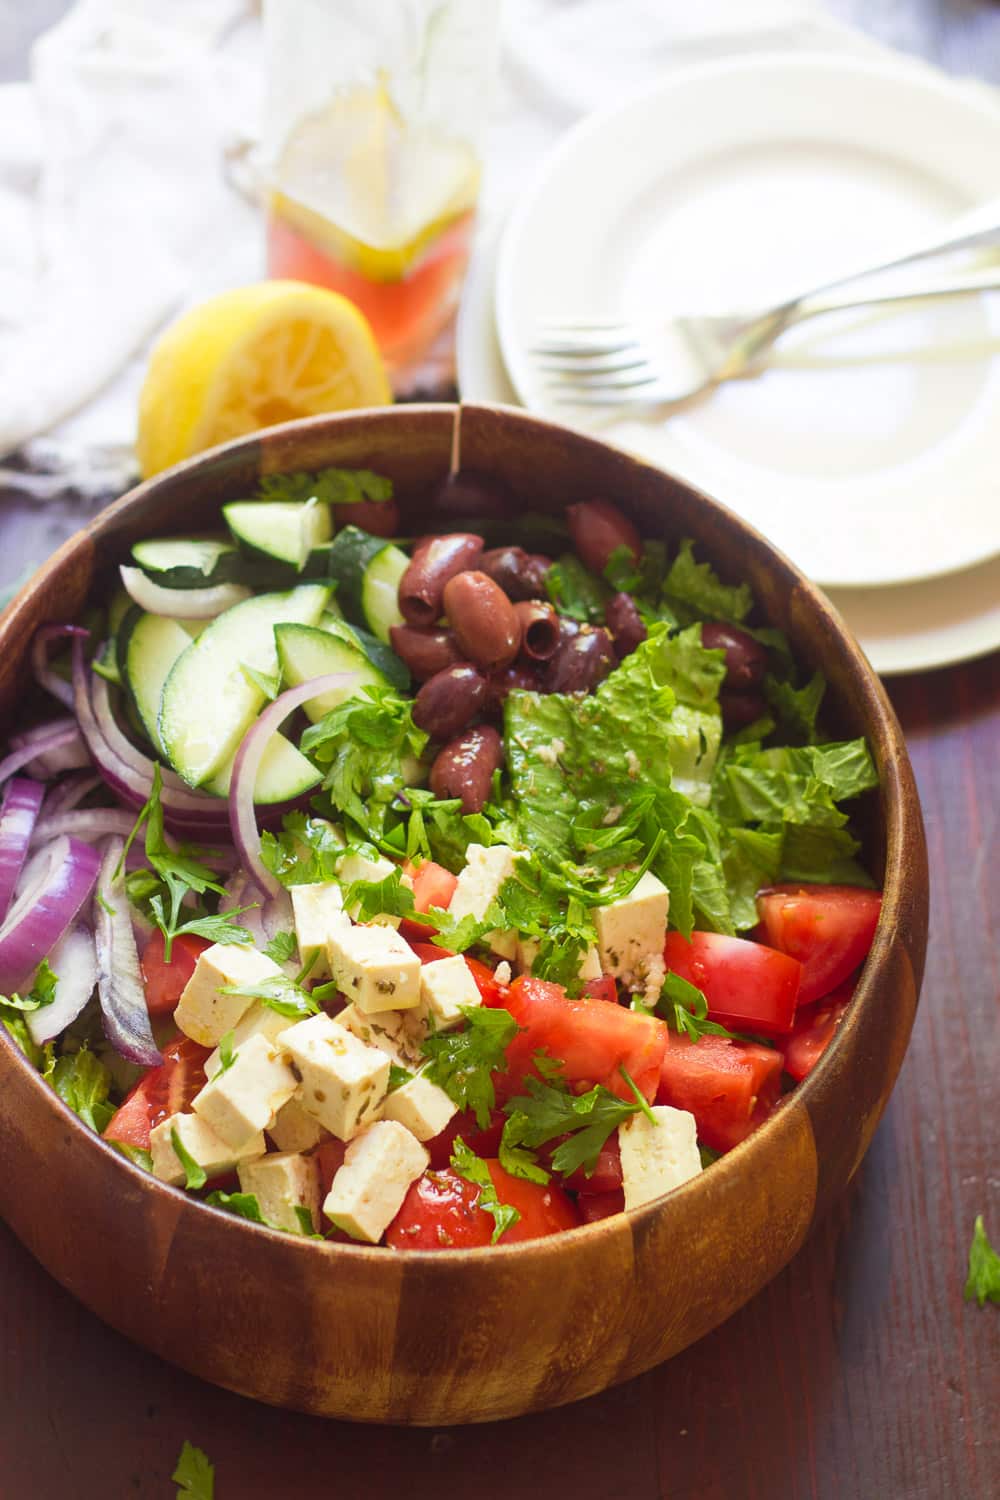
(613, 363)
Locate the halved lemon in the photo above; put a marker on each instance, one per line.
(251, 358)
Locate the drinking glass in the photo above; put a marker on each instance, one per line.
(374, 122)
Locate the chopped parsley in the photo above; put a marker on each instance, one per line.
(684, 1007)
(467, 1164)
(226, 1054)
(282, 947)
(280, 993)
(194, 1474)
(329, 486)
(548, 1110)
(983, 1284)
(194, 1175)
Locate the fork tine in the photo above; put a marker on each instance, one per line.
(581, 347)
(571, 364)
(614, 380)
(652, 395)
(585, 325)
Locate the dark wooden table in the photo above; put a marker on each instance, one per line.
(859, 1374)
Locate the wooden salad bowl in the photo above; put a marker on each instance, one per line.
(468, 1336)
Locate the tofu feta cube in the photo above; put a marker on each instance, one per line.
(342, 1081)
(631, 932)
(246, 1097)
(421, 1106)
(201, 1143)
(479, 885)
(445, 987)
(282, 1182)
(203, 1013)
(375, 968)
(656, 1158)
(357, 867)
(527, 952)
(260, 1020)
(398, 1033)
(368, 1190)
(293, 1129)
(318, 911)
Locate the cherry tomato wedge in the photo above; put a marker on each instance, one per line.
(593, 1039)
(441, 1212)
(748, 987)
(729, 1087)
(828, 928)
(164, 1090)
(815, 1032)
(429, 953)
(164, 982)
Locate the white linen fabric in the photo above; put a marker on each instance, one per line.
(125, 193)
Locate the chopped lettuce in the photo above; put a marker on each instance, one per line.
(695, 590)
(82, 1082)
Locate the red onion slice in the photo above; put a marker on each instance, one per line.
(92, 823)
(44, 675)
(181, 604)
(119, 979)
(60, 882)
(68, 757)
(70, 792)
(74, 960)
(18, 817)
(242, 816)
(43, 745)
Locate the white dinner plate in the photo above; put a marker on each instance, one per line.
(867, 449)
(907, 628)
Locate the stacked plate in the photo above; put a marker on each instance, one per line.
(867, 447)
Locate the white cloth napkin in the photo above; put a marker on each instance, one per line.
(121, 195)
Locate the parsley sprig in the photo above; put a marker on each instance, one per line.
(983, 1284)
(461, 1062)
(684, 1007)
(467, 1164)
(172, 876)
(549, 1110)
(279, 993)
(194, 1474)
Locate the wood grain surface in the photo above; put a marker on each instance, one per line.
(858, 1374)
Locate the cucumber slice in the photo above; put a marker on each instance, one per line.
(148, 646)
(366, 571)
(117, 610)
(283, 774)
(305, 652)
(208, 701)
(178, 562)
(382, 657)
(283, 531)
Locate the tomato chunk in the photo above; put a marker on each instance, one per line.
(482, 1142)
(165, 982)
(593, 1039)
(606, 1176)
(164, 1090)
(729, 1087)
(433, 885)
(328, 1158)
(594, 1206)
(441, 1212)
(815, 1032)
(828, 928)
(492, 991)
(429, 953)
(748, 987)
(604, 988)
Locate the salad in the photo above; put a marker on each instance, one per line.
(434, 891)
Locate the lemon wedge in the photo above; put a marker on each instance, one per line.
(251, 358)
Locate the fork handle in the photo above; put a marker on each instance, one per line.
(815, 306)
(974, 230)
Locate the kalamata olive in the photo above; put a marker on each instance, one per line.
(499, 684)
(740, 709)
(581, 662)
(425, 651)
(465, 767)
(625, 623)
(433, 564)
(472, 494)
(378, 517)
(520, 574)
(483, 619)
(746, 659)
(448, 700)
(599, 528)
(539, 629)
